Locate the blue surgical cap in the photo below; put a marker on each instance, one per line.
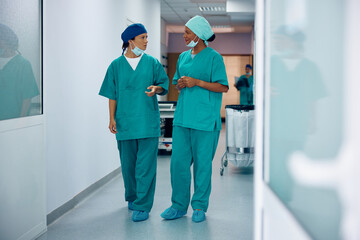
(132, 31)
(9, 37)
(248, 66)
(201, 27)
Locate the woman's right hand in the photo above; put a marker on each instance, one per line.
(112, 126)
(180, 84)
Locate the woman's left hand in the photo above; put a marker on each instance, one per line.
(154, 89)
(189, 81)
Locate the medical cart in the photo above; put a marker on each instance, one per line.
(167, 109)
(240, 136)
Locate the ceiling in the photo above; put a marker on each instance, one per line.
(223, 15)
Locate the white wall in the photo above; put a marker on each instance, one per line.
(22, 178)
(81, 38)
(146, 12)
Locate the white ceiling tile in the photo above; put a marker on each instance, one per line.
(183, 5)
(179, 11)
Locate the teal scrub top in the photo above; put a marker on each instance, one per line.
(137, 115)
(246, 93)
(298, 90)
(199, 108)
(17, 83)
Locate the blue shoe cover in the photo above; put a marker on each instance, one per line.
(172, 213)
(130, 205)
(139, 216)
(198, 216)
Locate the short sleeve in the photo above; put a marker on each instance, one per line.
(177, 73)
(218, 73)
(161, 78)
(108, 87)
(29, 86)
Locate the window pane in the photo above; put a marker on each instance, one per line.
(20, 58)
(305, 76)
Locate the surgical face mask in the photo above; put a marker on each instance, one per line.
(137, 51)
(192, 43)
(1, 51)
(248, 73)
(288, 53)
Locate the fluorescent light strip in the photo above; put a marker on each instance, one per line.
(212, 9)
(221, 26)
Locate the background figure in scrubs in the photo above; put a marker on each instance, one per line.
(131, 84)
(201, 79)
(245, 85)
(17, 81)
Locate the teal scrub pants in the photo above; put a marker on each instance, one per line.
(138, 159)
(196, 147)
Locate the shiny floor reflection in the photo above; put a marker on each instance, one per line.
(104, 215)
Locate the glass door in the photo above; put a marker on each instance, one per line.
(308, 119)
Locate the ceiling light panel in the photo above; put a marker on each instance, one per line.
(212, 8)
(176, 1)
(208, 1)
(220, 26)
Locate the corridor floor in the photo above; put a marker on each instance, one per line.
(104, 214)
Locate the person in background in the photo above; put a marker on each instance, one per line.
(201, 78)
(245, 85)
(17, 80)
(131, 84)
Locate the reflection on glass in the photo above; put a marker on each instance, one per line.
(17, 81)
(305, 89)
(296, 85)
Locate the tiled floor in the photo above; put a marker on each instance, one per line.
(104, 215)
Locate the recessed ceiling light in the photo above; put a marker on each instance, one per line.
(212, 9)
(221, 26)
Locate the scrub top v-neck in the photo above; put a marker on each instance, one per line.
(134, 62)
(137, 115)
(199, 108)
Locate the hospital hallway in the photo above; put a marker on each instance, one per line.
(104, 214)
(80, 80)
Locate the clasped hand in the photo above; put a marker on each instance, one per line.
(185, 81)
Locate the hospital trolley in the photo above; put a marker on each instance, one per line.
(240, 136)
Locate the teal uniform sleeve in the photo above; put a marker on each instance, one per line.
(218, 73)
(29, 86)
(177, 74)
(108, 87)
(161, 78)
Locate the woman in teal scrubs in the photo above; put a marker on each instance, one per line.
(201, 79)
(131, 84)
